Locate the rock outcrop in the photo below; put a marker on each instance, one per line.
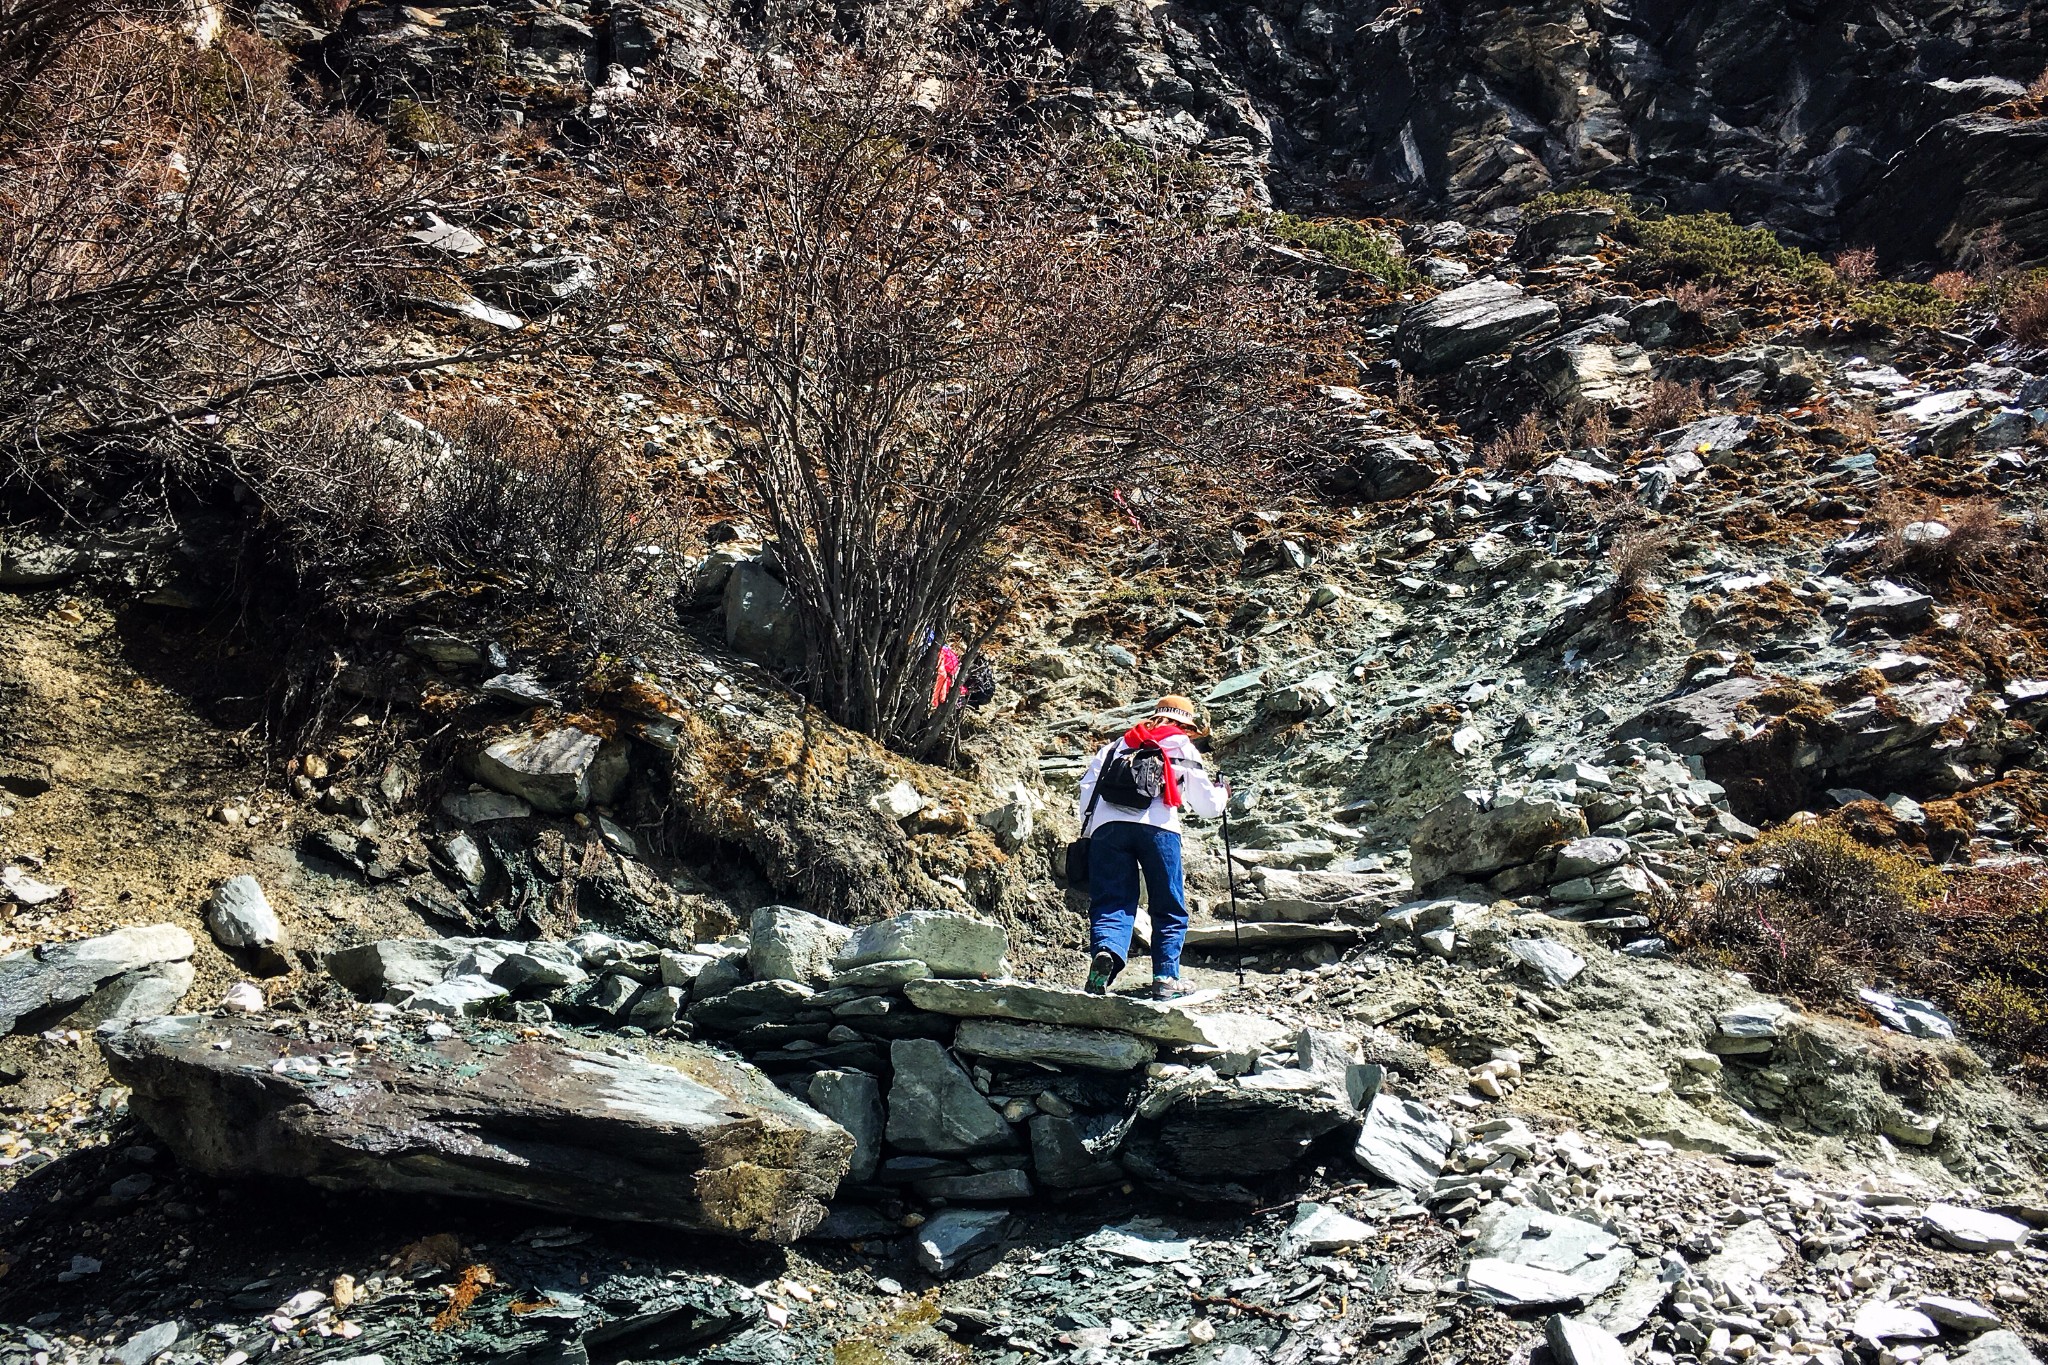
(42, 982)
(684, 1138)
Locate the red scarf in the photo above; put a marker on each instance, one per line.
(1158, 734)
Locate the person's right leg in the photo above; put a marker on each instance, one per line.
(1112, 901)
(1159, 859)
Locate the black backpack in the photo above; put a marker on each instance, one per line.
(1130, 780)
(1133, 778)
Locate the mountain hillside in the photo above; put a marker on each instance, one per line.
(492, 866)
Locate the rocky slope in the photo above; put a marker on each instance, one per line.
(518, 932)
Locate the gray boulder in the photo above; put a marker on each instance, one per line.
(481, 807)
(1063, 1159)
(1091, 1049)
(460, 997)
(392, 971)
(877, 975)
(143, 993)
(1470, 835)
(55, 976)
(759, 620)
(239, 916)
(1748, 1030)
(1551, 963)
(1404, 1143)
(1318, 1230)
(1221, 1132)
(787, 944)
(657, 1008)
(1574, 1341)
(853, 1100)
(2003, 1347)
(1697, 722)
(1470, 321)
(28, 560)
(1508, 1285)
(949, 944)
(683, 1138)
(560, 769)
(952, 1235)
(1973, 1229)
(1584, 857)
(1890, 604)
(934, 1108)
(539, 966)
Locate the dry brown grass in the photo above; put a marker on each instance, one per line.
(1857, 423)
(2037, 89)
(1593, 423)
(1671, 403)
(1518, 446)
(1985, 549)
(1953, 285)
(1700, 300)
(2024, 314)
(1856, 265)
(1637, 553)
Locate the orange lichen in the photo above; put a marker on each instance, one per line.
(472, 1282)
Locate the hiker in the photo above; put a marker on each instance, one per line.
(976, 687)
(1130, 805)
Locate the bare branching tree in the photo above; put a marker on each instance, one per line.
(923, 311)
(180, 237)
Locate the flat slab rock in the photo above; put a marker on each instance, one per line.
(58, 975)
(687, 1139)
(1054, 1005)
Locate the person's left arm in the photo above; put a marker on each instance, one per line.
(1198, 795)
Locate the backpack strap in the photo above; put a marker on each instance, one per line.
(1095, 797)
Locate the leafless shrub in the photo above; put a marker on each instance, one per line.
(1637, 553)
(1856, 265)
(2037, 89)
(1593, 423)
(1671, 403)
(922, 324)
(182, 236)
(1517, 446)
(1989, 254)
(1857, 423)
(484, 490)
(1407, 391)
(1808, 908)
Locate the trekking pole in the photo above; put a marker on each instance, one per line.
(1230, 881)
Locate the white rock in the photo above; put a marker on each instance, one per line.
(1319, 1230)
(899, 802)
(1973, 1229)
(244, 997)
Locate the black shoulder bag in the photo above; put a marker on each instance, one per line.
(1079, 850)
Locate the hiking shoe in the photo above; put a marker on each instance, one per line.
(1102, 970)
(1167, 988)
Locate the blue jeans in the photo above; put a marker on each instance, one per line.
(1118, 852)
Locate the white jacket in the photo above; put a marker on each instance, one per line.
(1198, 794)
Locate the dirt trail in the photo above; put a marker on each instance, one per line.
(103, 710)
